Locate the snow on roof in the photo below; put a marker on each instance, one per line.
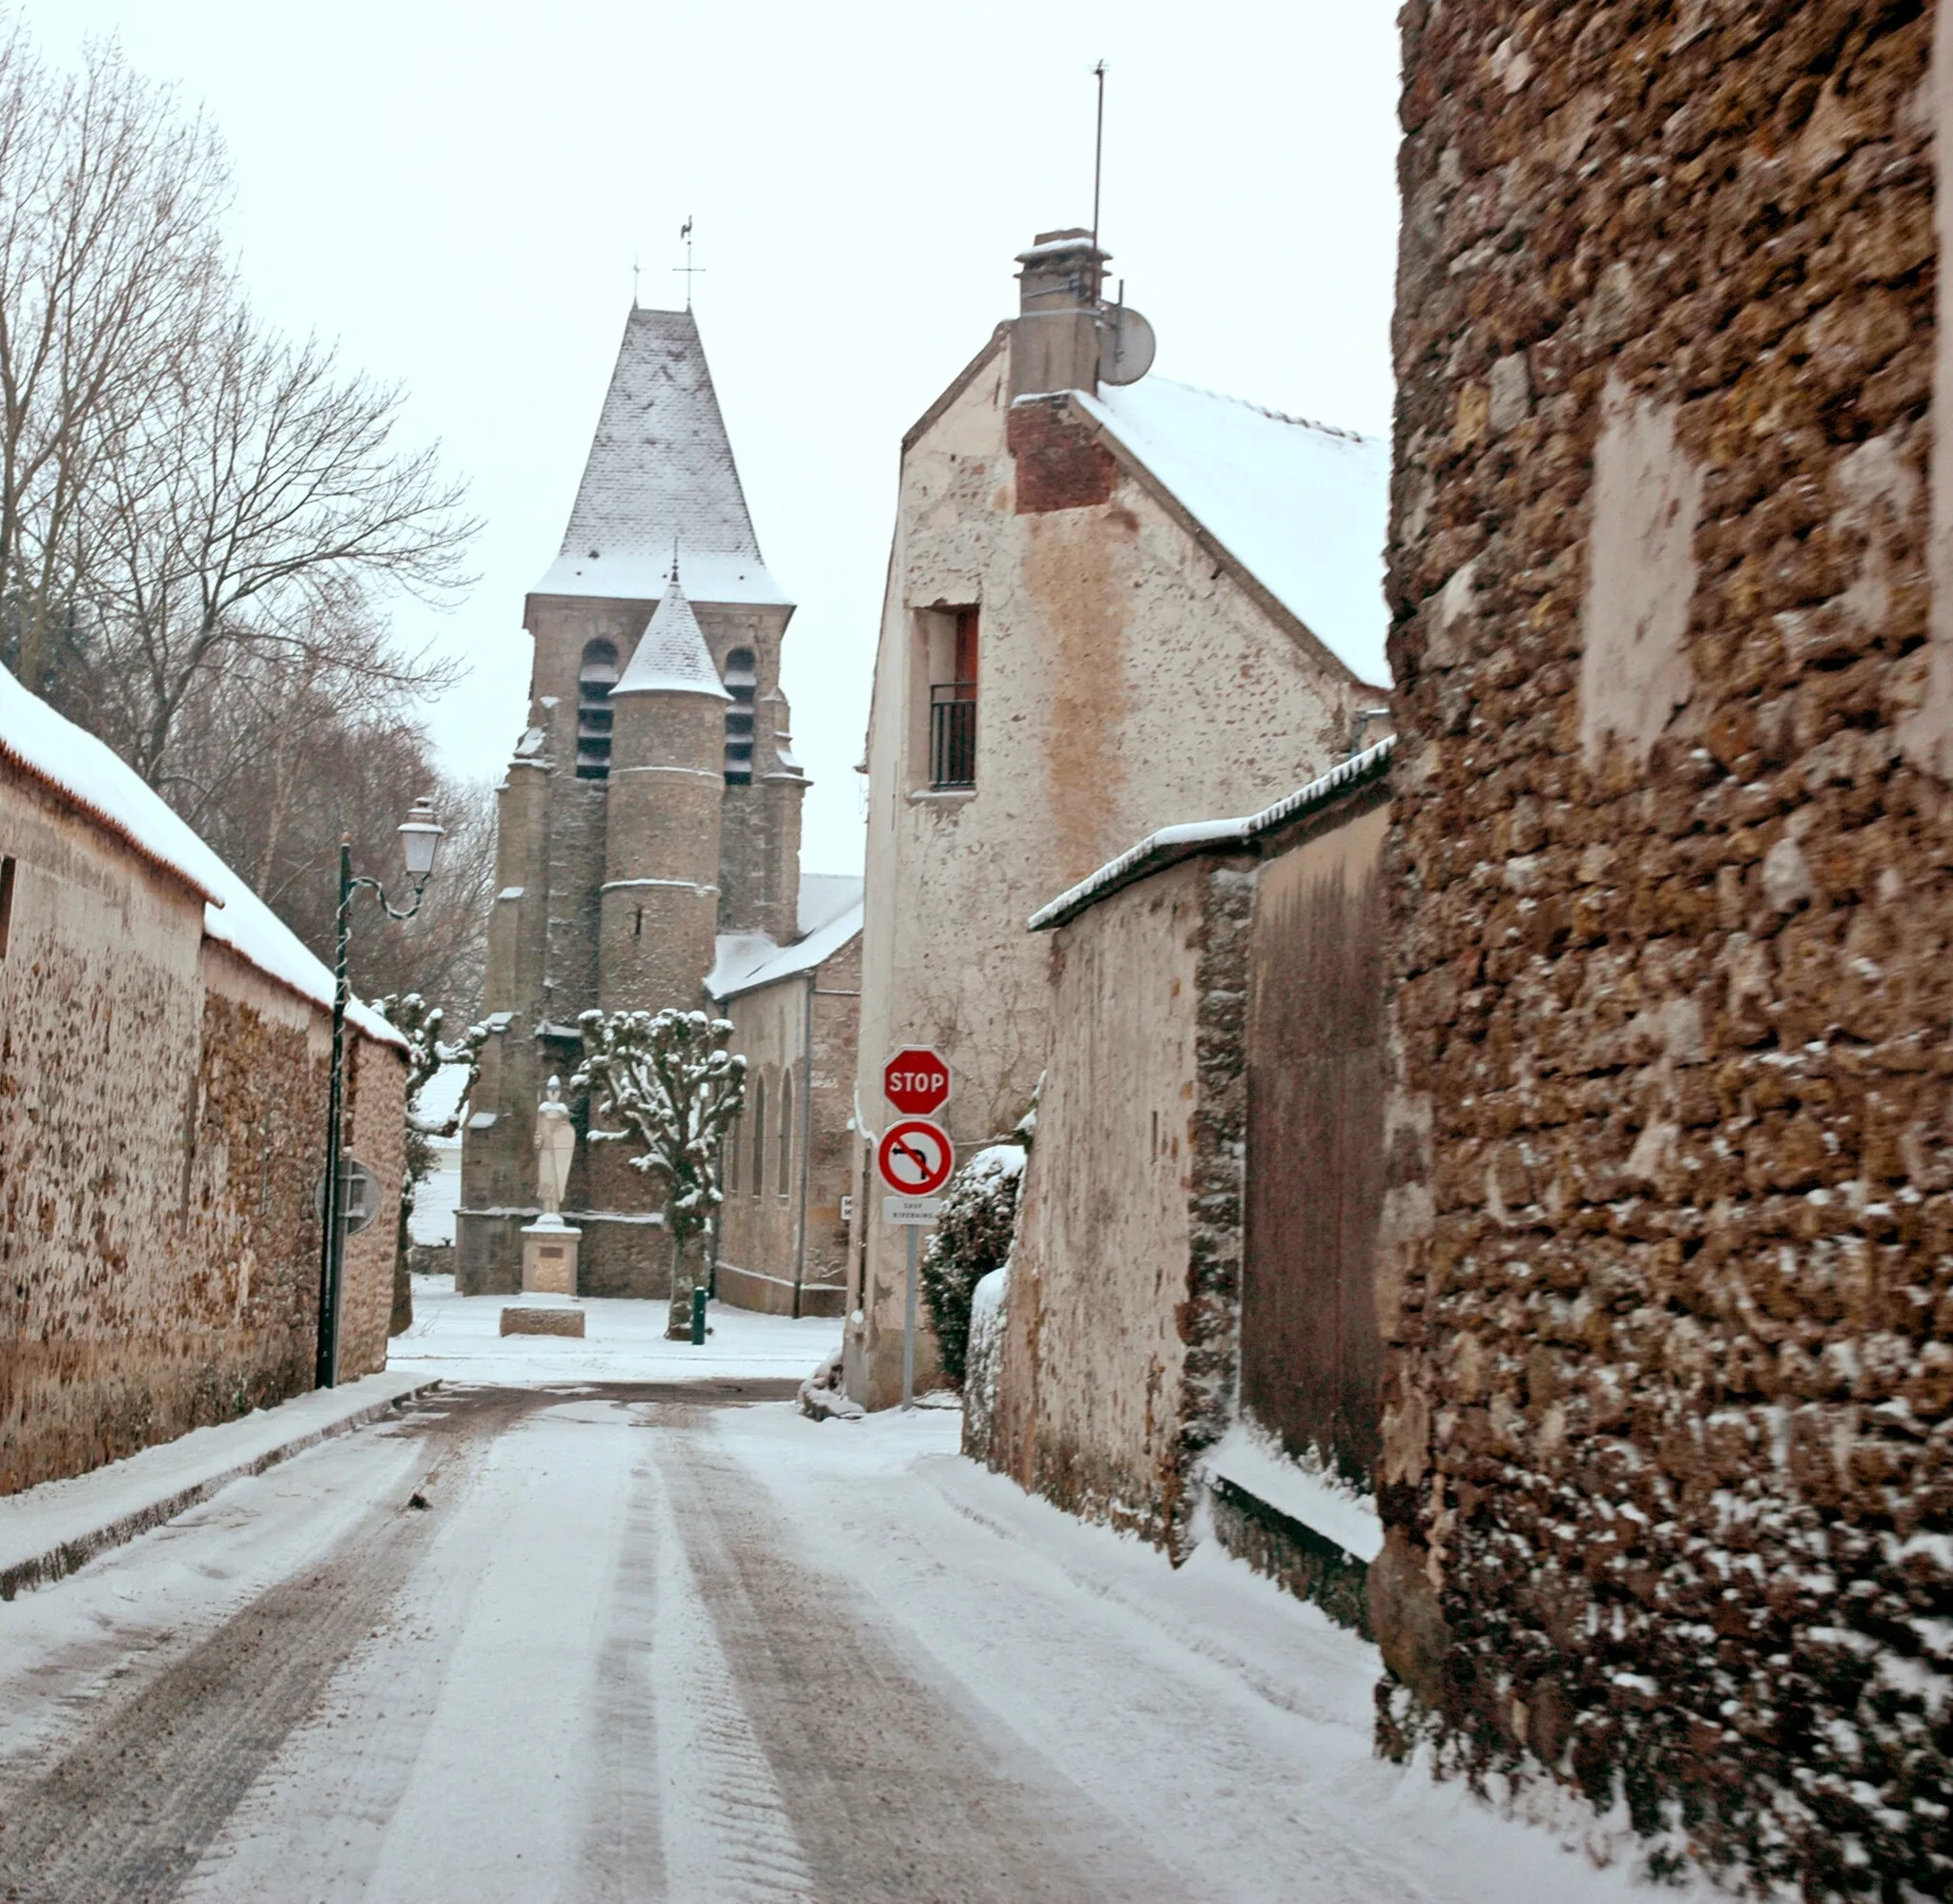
(440, 1096)
(1302, 507)
(748, 960)
(736, 579)
(98, 780)
(672, 657)
(660, 469)
(825, 897)
(1173, 844)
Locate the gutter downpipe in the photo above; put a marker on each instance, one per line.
(806, 1140)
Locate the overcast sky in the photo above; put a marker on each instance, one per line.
(454, 193)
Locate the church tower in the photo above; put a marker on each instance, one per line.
(659, 911)
(652, 804)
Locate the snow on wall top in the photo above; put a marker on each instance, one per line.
(1173, 844)
(660, 469)
(1302, 507)
(98, 780)
(672, 657)
(829, 914)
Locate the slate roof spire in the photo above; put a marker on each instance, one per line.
(660, 466)
(672, 657)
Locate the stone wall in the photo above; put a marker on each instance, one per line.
(162, 1111)
(1195, 1237)
(1668, 1271)
(761, 1254)
(1092, 1389)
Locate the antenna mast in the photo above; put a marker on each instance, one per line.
(1098, 151)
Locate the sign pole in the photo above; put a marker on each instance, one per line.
(909, 1329)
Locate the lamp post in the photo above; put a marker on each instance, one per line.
(420, 840)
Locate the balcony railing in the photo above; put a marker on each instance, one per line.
(952, 735)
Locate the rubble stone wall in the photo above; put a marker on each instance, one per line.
(1666, 1281)
(162, 1112)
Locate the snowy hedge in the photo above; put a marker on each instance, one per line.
(973, 1237)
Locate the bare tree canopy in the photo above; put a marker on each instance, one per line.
(199, 520)
(253, 509)
(179, 488)
(109, 258)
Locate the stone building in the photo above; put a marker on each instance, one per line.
(1189, 1313)
(1668, 1271)
(788, 1163)
(1109, 610)
(164, 1050)
(651, 811)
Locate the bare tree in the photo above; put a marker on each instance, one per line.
(252, 509)
(109, 259)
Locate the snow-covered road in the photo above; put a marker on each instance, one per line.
(659, 1644)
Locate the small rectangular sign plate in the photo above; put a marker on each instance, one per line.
(911, 1209)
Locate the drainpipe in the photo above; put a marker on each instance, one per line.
(806, 1141)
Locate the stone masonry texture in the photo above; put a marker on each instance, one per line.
(1666, 1273)
(162, 1116)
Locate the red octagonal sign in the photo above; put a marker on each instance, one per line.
(916, 1082)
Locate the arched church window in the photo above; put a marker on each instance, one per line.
(594, 679)
(742, 683)
(728, 1169)
(786, 1182)
(759, 1134)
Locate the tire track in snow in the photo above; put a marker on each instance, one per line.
(725, 1828)
(896, 1787)
(127, 1811)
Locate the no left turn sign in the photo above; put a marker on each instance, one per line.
(915, 1157)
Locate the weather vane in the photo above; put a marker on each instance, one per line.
(689, 270)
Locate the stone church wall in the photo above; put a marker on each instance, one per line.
(162, 1107)
(760, 1256)
(1668, 1273)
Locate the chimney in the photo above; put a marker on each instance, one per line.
(1056, 344)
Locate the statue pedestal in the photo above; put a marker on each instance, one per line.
(549, 1250)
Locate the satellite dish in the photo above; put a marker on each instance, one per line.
(1125, 345)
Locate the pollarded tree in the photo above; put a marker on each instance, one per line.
(668, 1078)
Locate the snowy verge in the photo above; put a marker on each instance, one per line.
(59, 1526)
(1321, 1502)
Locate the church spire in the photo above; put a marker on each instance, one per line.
(672, 657)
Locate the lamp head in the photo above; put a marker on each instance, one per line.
(421, 836)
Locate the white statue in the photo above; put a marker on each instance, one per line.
(555, 1146)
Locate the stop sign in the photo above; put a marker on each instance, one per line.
(916, 1082)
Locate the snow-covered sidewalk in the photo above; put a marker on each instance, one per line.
(52, 1529)
(459, 1338)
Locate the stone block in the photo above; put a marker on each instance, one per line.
(536, 1321)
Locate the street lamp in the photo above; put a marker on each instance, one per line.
(421, 836)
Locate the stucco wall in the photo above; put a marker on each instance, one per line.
(162, 1108)
(1667, 1280)
(1310, 1354)
(1127, 681)
(1089, 1393)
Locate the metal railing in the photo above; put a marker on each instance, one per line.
(952, 735)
